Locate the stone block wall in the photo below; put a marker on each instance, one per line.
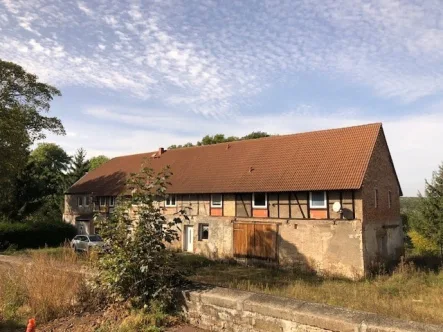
(229, 310)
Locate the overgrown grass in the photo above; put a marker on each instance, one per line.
(408, 293)
(47, 286)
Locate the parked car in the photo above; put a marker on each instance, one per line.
(87, 242)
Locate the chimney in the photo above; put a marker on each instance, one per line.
(160, 151)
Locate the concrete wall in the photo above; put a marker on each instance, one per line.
(318, 245)
(221, 309)
(382, 225)
(322, 245)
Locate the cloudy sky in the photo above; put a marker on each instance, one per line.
(137, 75)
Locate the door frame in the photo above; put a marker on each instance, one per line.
(186, 239)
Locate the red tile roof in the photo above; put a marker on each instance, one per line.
(319, 160)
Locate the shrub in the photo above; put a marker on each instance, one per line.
(422, 245)
(137, 266)
(34, 235)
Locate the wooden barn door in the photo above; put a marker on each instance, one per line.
(255, 240)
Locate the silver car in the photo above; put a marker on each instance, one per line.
(87, 242)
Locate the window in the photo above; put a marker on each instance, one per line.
(389, 199)
(86, 200)
(216, 200)
(102, 201)
(111, 200)
(80, 201)
(203, 231)
(170, 200)
(376, 198)
(317, 200)
(259, 200)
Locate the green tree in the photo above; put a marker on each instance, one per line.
(41, 184)
(79, 166)
(97, 161)
(23, 104)
(256, 134)
(431, 209)
(137, 265)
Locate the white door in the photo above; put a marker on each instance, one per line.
(189, 239)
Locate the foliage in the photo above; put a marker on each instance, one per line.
(23, 102)
(137, 265)
(422, 245)
(220, 138)
(431, 211)
(41, 184)
(79, 166)
(35, 235)
(97, 161)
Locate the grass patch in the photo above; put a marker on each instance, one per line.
(408, 293)
(46, 286)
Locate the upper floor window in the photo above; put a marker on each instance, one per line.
(170, 200)
(111, 200)
(389, 199)
(86, 200)
(259, 200)
(102, 201)
(216, 200)
(376, 198)
(317, 199)
(80, 200)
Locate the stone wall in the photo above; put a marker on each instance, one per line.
(326, 246)
(220, 309)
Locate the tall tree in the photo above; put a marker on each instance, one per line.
(42, 182)
(431, 223)
(23, 104)
(256, 134)
(97, 161)
(79, 166)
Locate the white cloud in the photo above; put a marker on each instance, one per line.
(182, 52)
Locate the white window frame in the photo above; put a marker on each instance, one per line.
(79, 201)
(170, 198)
(215, 205)
(260, 206)
(325, 203)
(111, 199)
(86, 201)
(100, 200)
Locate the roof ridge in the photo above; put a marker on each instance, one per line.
(277, 136)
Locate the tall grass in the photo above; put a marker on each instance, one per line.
(47, 286)
(407, 293)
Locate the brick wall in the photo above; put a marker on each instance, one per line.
(382, 225)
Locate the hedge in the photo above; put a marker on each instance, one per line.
(35, 235)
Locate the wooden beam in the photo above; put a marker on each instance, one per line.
(299, 206)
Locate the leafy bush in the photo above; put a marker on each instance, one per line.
(422, 245)
(34, 235)
(137, 266)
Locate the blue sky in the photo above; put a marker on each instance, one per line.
(137, 75)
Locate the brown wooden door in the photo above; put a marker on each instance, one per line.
(255, 240)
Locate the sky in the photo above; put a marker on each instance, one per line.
(139, 75)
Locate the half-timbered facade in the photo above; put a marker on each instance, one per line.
(271, 198)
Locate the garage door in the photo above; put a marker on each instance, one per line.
(255, 240)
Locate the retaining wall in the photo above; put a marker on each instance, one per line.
(221, 309)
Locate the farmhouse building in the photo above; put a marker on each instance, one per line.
(326, 200)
